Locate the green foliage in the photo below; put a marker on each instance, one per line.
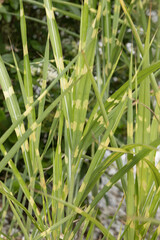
(72, 90)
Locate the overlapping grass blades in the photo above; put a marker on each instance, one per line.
(81, 126)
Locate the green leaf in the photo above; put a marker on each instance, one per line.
(154, 171)
(37, 46)
(14, 4)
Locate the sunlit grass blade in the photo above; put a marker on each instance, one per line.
(115, 23)
(14, 111)
(143, 124)
(57, 51)
(70, 4)
(44, 84)
(19, 220)
(158, 35)
(51, 132)
(29, 91)
(38, 130)
(130, 175)
(20, 79)
(27, 69)
(57, 208)
(107, 41)
(93, 115)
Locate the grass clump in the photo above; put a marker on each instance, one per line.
(81, 111)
